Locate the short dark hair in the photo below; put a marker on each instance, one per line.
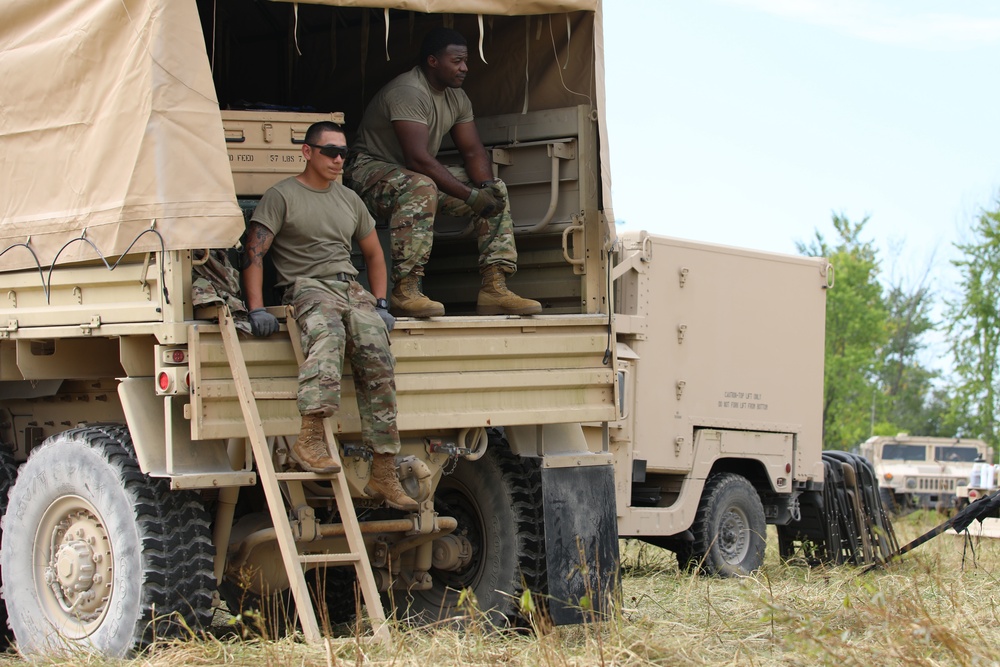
(316, 130)
(437, 40)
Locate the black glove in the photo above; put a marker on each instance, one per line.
(383, 312)
(262, 323)
(500, 193)
(484, 203)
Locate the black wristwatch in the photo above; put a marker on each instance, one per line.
(382, 304)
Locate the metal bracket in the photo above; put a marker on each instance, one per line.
(683, 275)
(565, 150)
(88, 327)
(305, 526)
(6, 331)
(681, 330)
(502, 156)
(680, 388)
(678, 443)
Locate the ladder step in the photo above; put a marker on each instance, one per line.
(344, 558)
(304, 476)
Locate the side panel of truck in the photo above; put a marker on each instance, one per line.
(724, 360)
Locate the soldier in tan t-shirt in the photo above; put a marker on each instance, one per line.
(393, 166)
(307, 223)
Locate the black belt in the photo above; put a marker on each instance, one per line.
(343, 277)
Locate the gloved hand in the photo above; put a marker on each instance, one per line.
(499, 192)
(484, 203)
(390, 321)
(262, 323)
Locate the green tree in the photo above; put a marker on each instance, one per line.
(974, 329)
(856, 332)
(906, 385)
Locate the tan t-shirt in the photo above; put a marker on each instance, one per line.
(312, 229)
(410, 97)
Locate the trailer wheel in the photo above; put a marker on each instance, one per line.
(729, 528)
(497, 501)
(98, 555)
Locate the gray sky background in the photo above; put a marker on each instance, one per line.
(749, 122)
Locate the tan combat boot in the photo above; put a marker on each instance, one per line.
(496, 299)
(406, 300)
(384, 483)
(310, 450)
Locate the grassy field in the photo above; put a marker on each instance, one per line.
(938, 606)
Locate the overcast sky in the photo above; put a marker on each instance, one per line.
(748, 122)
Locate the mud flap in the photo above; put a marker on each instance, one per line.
(581, 542)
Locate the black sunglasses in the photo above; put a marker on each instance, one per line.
(331, 150)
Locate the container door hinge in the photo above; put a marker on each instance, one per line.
(7, 330)
(681, 330)
(683, 275)
(680, 388)
(678, 444)
(88, 327)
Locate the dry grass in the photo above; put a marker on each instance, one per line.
(933, 608)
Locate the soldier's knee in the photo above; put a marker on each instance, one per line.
(421, 183)
(418, 189)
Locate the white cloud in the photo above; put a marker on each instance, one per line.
(897, 23)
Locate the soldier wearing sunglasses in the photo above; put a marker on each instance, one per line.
(307, 223)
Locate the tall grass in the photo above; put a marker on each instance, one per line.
(938, 606)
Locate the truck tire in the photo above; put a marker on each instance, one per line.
(8, 474)
(729, 529)
(129, 560)
(497, 501)
(888, 501)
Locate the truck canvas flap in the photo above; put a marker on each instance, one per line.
(495, 7)
(115, 125)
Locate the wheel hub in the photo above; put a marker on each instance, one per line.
(734, 536)
(74, 566)
(78, 565)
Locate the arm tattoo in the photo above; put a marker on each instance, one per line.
(259, 240)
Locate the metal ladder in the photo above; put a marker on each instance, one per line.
(271, 481)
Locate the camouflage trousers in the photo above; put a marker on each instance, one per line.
(338, 318)
(408, 201)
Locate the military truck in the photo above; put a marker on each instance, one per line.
(919, 472)
(670, 391)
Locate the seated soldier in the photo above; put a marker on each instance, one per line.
(308, 222)
(393, 166)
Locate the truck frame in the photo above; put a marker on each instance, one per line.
(671, 391)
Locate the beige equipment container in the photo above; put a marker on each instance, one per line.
(720, 363)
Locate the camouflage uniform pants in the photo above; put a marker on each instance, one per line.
(338, 318)
(408, 201)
